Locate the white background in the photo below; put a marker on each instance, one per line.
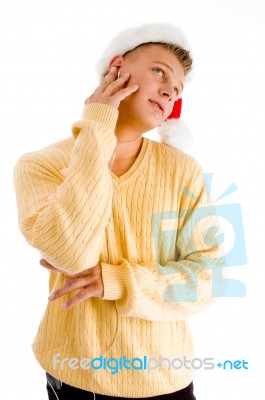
(49, 50)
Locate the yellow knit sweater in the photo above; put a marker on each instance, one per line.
(145, 228)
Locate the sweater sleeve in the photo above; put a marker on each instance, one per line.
(180, 288)
(63, 214)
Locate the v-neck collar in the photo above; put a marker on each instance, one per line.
(136, 165)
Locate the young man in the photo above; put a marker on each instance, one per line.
(116, 218)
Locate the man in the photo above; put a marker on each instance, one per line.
(117, 219)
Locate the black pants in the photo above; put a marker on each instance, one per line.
(65, 392)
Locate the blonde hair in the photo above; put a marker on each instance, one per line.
(182, 55)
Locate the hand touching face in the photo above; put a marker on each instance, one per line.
(113, 89)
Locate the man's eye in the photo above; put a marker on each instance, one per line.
(159, 71)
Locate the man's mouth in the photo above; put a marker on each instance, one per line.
(158, 106)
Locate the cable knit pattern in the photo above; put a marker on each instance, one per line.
(147, 227)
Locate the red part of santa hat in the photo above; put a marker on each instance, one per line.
(176, 109)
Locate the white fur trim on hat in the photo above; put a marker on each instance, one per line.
(175, 133)
(132, 37)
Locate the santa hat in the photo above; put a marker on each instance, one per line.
(173, 131)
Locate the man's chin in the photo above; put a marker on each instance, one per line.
(142, 123)
(152, 126)
(147, 128)
(151, 123)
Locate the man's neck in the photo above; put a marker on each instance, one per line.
(129, 144)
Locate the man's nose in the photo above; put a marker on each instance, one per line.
(167, 92)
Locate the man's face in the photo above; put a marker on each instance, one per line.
(160, 77)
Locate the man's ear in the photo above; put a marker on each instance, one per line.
(116, 61)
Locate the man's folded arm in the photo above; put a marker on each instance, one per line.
(172, 290)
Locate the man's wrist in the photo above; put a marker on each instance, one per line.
(103, 113)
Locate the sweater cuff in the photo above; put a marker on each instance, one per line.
(113, 277)
(103, 113)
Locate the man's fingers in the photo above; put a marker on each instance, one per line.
(112, 89)
(118, 84)
(91, 290)
(111, 86)
(115, 99)
(110, 77)
(123, 93)
(100, 90)
(69, 285)
(84, 294)
(45, 264)
(89, 282)
(91, 276)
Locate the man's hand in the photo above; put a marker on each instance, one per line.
(89, 281)
(112, 90)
